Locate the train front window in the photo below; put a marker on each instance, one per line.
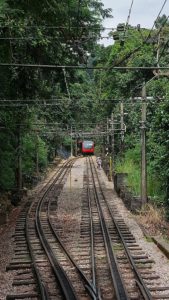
(87, 144)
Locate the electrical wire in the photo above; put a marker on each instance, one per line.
(100, 102)
(83, 40)
(94, 27)
(82, 67)
(127, 56)
(18, 105)
(34, 100)
(164, 3)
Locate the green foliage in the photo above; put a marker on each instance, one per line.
(30, 146)
(130, 164)
(44, 32)
(35, 25)
(6, 162)
(42, 152)
(126, 84)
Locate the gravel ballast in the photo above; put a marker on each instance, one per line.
(69, 215)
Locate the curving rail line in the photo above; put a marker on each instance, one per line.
(58, 275)
(65, 283)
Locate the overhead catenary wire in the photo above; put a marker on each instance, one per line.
(20, 102)
(94, 27)
(128, 55)
(82, 67)
(34, 100)
(164, 3)
(83, 40)
(139, 68)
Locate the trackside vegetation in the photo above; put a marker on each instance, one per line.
(39, 106)
(127, 86)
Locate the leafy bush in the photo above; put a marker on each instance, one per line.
(7, 175)
(130, 164)
(30, 146)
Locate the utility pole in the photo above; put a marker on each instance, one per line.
(107, 132)
(71, 143)
(76, 139)
(19, 173)
(143, 149)
(37, 154)
(76, 147)
(122, 125)
(112, 140)
(158, 51)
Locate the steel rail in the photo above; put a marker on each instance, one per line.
(120, 291)
(43, 289)
(88, 285)
(91, 287)
(59, 273)
(92, 238)
(140, 282)
(91, 232)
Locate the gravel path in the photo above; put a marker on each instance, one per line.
(68, 214)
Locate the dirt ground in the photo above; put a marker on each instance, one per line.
(6, 252)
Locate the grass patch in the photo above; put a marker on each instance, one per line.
(133, 178)
(152, 219)
(130, 164)
(149, 239)
(117, 247)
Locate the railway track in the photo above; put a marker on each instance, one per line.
(49, 271)
(130, 268)
(107, 264)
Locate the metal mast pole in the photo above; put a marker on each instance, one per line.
(37, 154)
(71, 145)
(122, 125)
(143, 148)
(19, 161)
(107, 133)
(112, 140)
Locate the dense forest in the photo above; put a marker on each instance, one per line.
(38, 105)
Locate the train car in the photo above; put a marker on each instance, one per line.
(87, 147)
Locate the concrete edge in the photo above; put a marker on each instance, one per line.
(159, 241)
(162, 245)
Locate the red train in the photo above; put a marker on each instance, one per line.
(87, 147)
